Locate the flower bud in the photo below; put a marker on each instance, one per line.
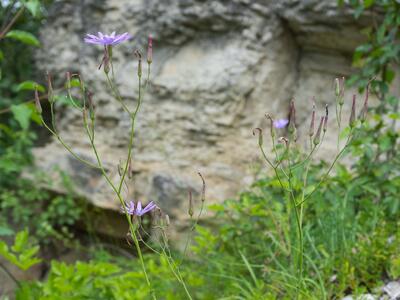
(292, 122)
(352, 120)
(139, 57)
(150, 50)
(364, 110)
(167, 222)
(273, 134)
(326, 118)
(68, 81)
(37, 101)
(339, 90)
(203, 189)
(190, 210)
(84, 115)
(260, 136)
(50, 95)
(317, 138)
(89, 95)
(311, 132)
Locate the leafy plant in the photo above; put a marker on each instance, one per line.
(21, 254)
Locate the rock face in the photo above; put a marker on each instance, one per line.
(218, 67)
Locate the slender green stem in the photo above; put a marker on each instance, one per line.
(67, 147)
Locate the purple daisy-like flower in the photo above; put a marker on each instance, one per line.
(106, 40)
(281, 123)
(138, 210)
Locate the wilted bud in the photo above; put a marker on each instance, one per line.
(150, 50)
(50, 95)
(37, 101)
(352, 120)
(364, 110)
(190, 210)
(139, 57)
(273, 134)
(317, 138)
(312, 124)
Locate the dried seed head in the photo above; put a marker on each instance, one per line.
(273, 133)
(317, 138)
(37, 101)
(150, 50)
(312, 124)
(352, 120)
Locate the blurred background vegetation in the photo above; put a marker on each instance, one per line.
(352, 241)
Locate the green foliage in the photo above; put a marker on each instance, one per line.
(379, 56)
(21, 254)
(24, 37)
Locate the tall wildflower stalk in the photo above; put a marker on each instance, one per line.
(133, 211)
(286, 161)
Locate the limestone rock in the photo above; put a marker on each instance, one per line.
(219, 66)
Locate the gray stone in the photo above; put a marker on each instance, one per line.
(219, 66)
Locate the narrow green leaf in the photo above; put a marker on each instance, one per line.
(24, 37)
(30, 86)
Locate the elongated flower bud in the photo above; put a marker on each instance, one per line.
(260, 136)
(89, 95)
(317, 138)
(203, 188)
(50, 94)
(190, 210)
(312, 124)
(364, 110)
(84, 115)
(139, 57)
(273, 133)
(292, 122)
(339, 90)
(37, 101)
(337, 87)
(352, 120)
(150, 50)
(167, 221)
(68, 74)
(326, 118)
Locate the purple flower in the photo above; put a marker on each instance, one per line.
(138, 210)
(105, 39)
(281, 123)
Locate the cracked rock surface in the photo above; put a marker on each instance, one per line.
(218, 67)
